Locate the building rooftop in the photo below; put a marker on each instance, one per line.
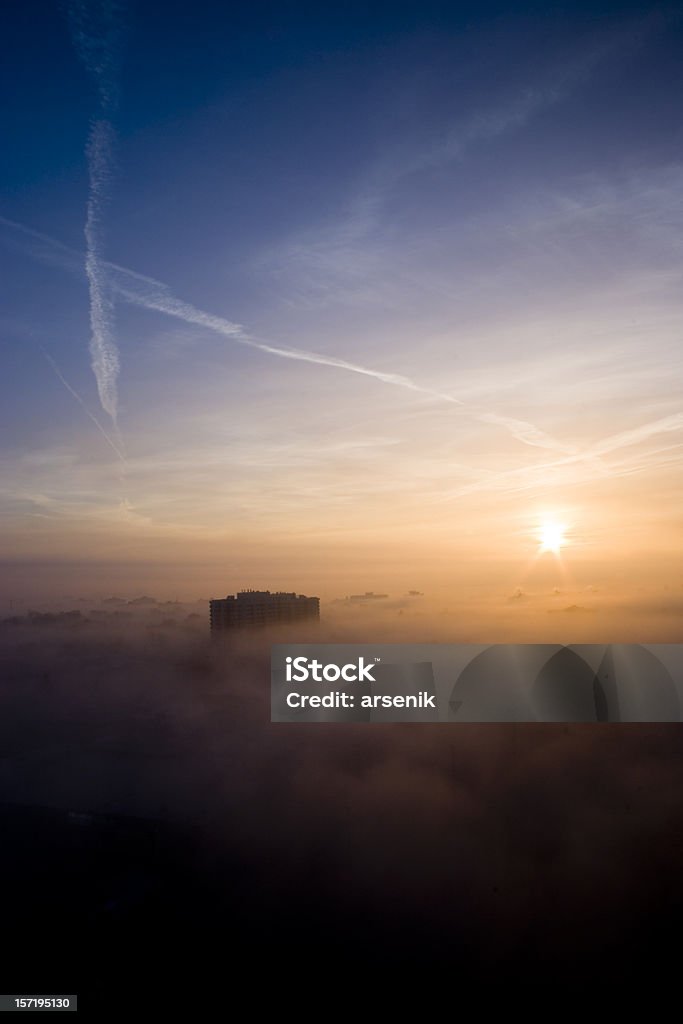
(261, 607)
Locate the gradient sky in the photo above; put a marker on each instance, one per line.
(387, 287)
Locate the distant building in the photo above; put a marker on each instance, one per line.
(261, 608)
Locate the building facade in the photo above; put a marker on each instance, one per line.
(261, 608)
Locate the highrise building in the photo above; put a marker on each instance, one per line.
(261, 608)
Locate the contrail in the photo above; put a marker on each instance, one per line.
(103, 348)
(156, 296)
(148, 293)
(630, 437)
(95, 27)
(85, 408)
(527, 477)
(161, 300)
(95, 31)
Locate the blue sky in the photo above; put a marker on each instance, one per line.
(441, 247)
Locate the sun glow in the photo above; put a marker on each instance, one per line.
(552, 537)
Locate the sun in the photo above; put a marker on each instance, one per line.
(552, 537)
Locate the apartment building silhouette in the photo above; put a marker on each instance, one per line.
(261, 608)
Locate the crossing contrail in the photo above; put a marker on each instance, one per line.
(148, 293)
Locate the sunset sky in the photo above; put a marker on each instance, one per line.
(344, 299)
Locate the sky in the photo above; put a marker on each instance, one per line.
(347, 299)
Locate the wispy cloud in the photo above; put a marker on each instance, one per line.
(507, 114)
(332, 260)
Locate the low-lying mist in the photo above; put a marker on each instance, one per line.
(487, 830)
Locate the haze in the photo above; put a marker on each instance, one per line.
(359, 302)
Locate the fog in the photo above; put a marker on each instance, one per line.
(492, 831)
